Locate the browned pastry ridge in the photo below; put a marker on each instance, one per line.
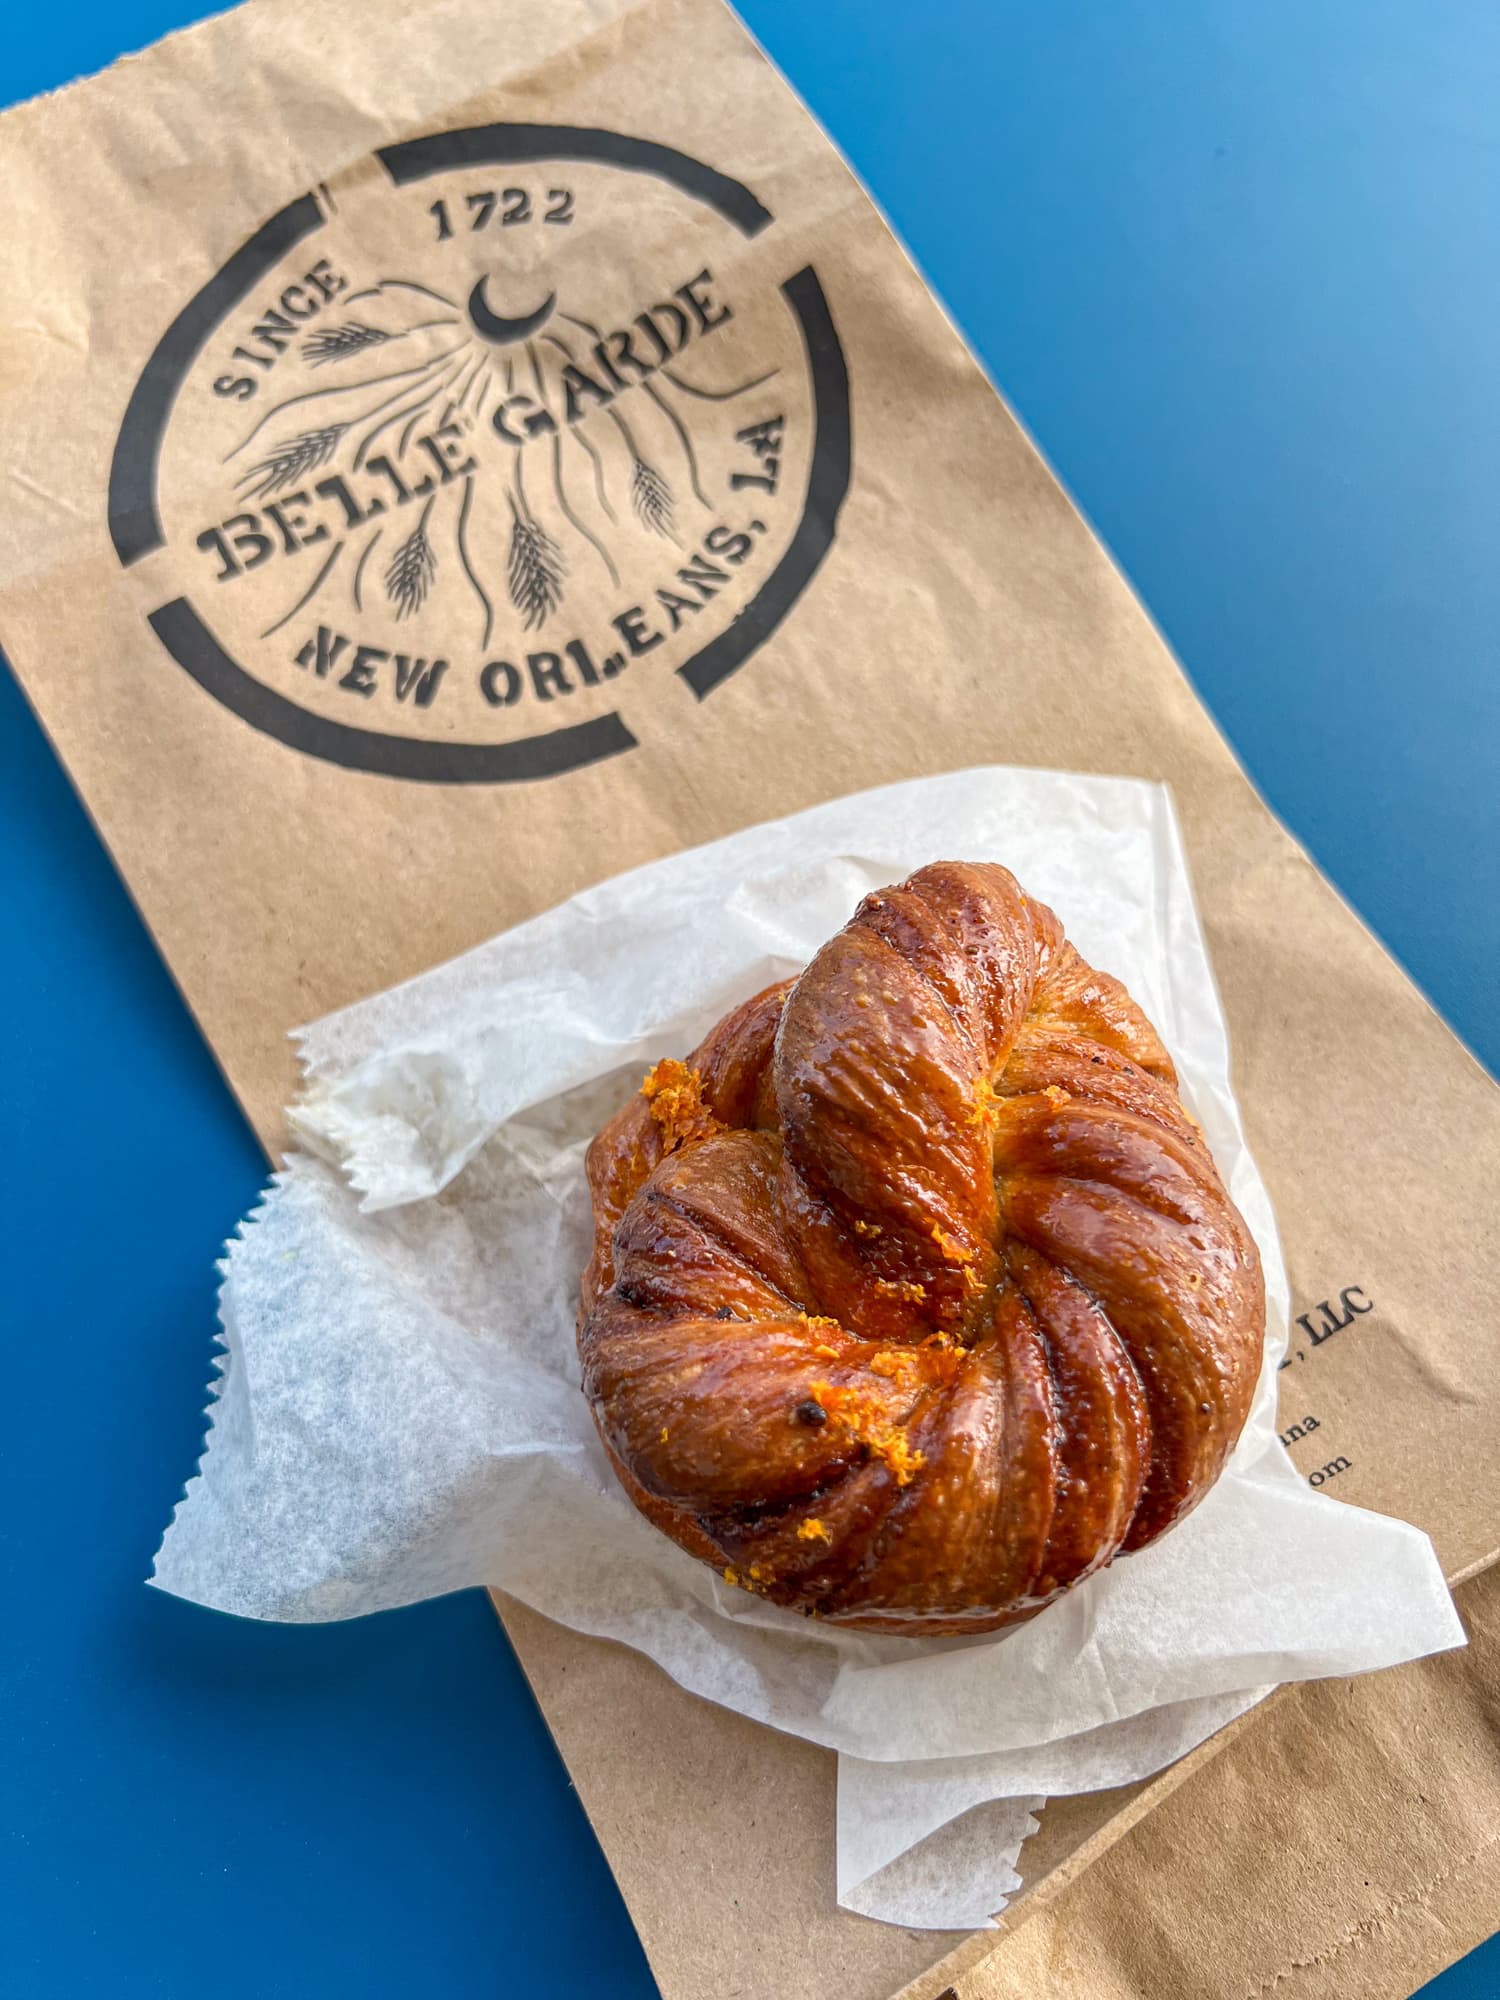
(915, 1296)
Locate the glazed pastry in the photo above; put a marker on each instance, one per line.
(915, 1296)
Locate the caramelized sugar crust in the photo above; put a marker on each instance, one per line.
(915, 1295)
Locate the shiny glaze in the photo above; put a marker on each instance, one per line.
(915, 1295)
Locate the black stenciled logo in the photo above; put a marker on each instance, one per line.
(452, 484)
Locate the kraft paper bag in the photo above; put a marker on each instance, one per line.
(1324, 1782)
(453, 454)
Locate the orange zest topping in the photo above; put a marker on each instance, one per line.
(837, 1401)
(954, 1251)
(987, 1102)
(897, 1364)
(754, 1579)
(1055, 1094)
(816, 1320)
(895, 1448)
(868, 1229)
(675, 1093)
(813, 1531)
(865, 1421)
(901, 1288)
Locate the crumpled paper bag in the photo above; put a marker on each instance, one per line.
(398, 1411)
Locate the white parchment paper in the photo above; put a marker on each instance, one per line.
(398, 1411)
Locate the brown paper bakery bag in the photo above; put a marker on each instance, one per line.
(455, 452)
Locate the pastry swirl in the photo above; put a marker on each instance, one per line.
(915, 1295)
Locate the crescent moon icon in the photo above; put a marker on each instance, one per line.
(503, 332)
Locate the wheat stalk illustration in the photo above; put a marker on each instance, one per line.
(286, 462)
(408, 577)
(337, 343)
(536, 569)
(651, 497)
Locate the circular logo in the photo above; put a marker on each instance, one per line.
(462, 463)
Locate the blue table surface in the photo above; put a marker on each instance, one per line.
(1237, 270)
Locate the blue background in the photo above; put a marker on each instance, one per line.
(1237, 269)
